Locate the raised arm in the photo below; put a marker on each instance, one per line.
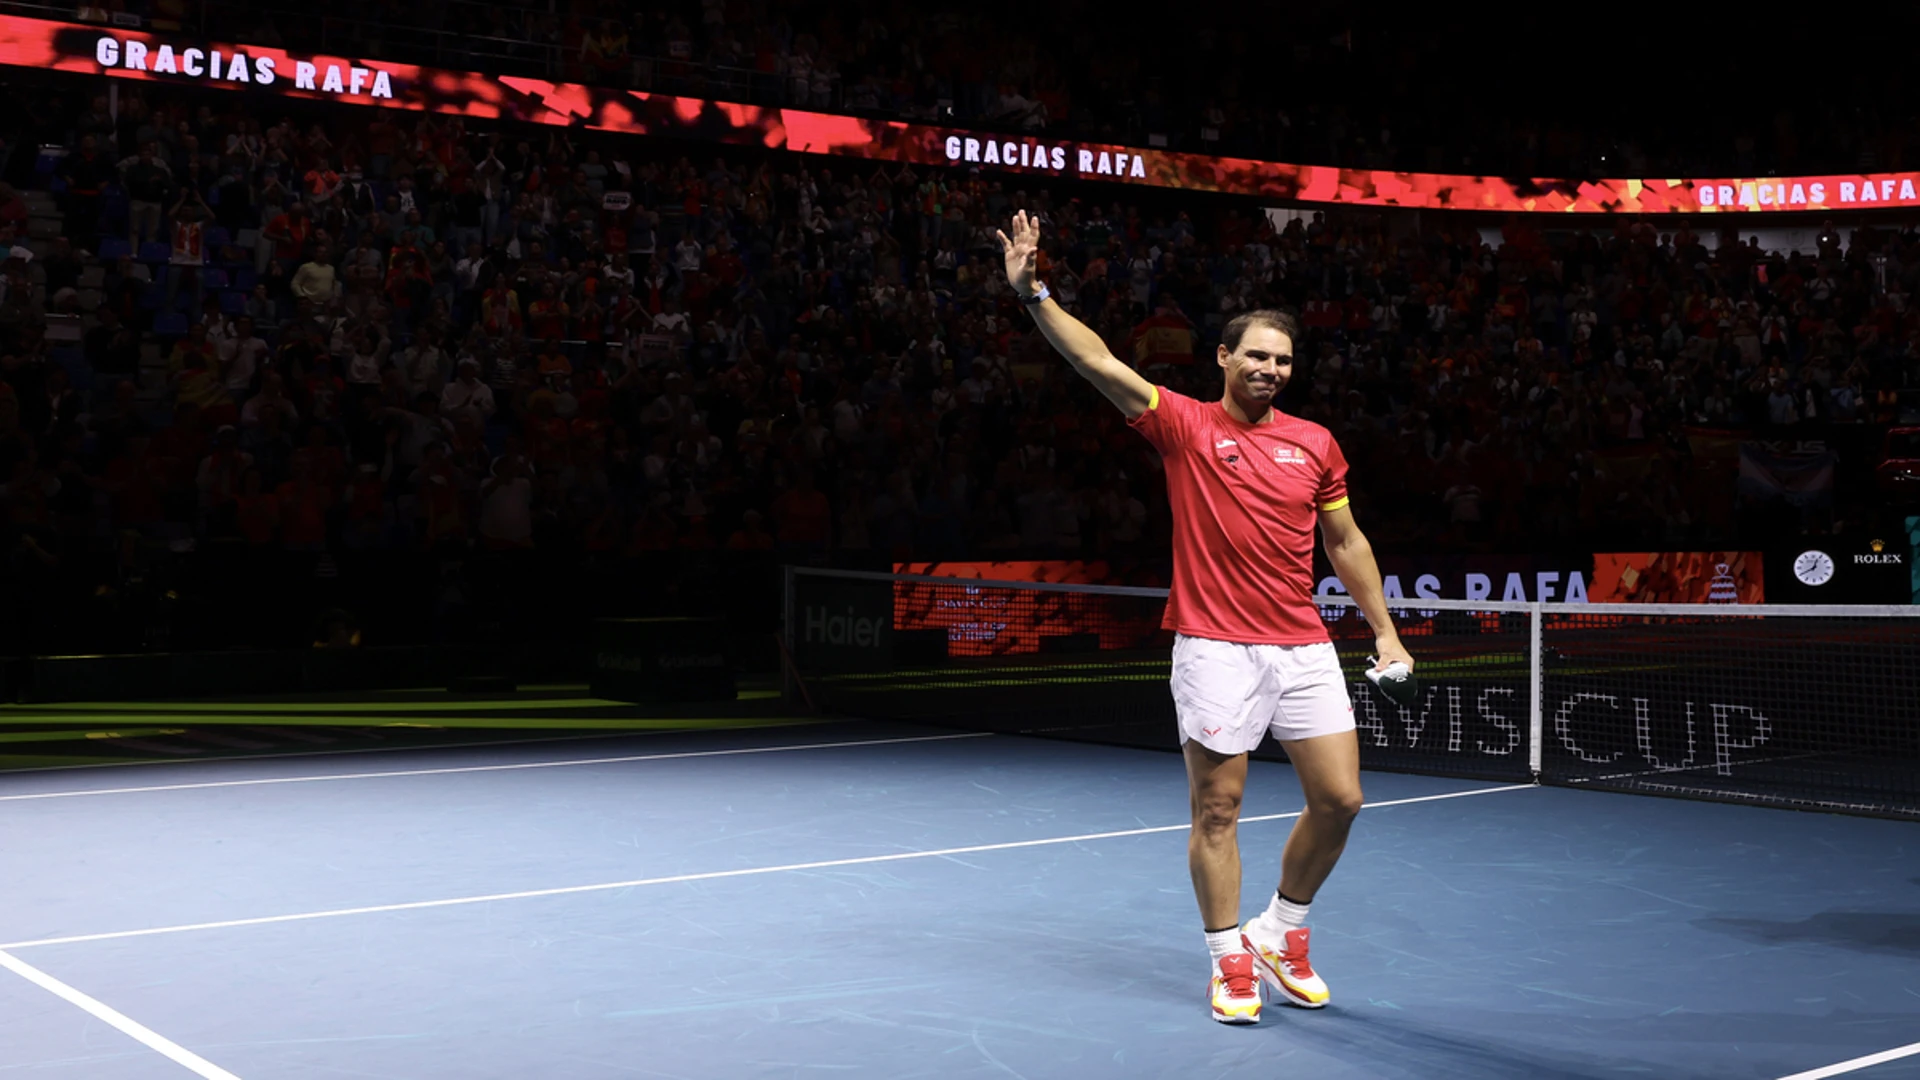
(1069, 336)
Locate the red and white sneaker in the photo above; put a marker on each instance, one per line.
(1235, 990)
(1282, 962)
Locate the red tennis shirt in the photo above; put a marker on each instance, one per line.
(1246, 499)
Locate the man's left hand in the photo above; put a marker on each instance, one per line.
(1389, 650)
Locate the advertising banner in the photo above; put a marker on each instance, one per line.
(1522, 578)
(842, 626)
(182, 59)
(1844, 570)
(988, 621)
(1679, 577)
(984, 621)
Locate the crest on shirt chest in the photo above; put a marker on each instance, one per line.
(1234, 453)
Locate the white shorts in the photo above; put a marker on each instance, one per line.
(1229, 696)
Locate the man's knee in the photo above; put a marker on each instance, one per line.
(1342, 805)
(1216, 813)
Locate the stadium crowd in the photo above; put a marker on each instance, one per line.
(392, 331)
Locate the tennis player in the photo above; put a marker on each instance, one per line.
(1251, 656)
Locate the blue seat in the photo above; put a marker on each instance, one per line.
(233, 303)
(113, 248)
(217, 238)
(215, 278)
(153, 251)
(243, 279)
(170, 324)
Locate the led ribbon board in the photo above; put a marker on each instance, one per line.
(111, 51)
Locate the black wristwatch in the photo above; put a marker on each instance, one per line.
(1034, 300)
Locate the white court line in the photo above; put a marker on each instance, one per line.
(417, 748)
(450, 770)
(711, 875)
(114, 1018)
(1856, 1064)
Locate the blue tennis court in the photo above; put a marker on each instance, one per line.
(854, 899)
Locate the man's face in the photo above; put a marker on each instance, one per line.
(1260, 367)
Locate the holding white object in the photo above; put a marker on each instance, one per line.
(1395, 682)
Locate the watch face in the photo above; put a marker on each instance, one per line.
(1813, 568)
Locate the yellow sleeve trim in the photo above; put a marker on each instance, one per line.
(1335, 504)
(1153, 402)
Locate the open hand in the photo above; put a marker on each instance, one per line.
(1022, 250)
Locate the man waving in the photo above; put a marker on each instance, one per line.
(1247, 485)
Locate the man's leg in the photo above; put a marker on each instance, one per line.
(1329, 771)
(1218, 696)
(1278, 938)
(1215, 784)
(1314, 724)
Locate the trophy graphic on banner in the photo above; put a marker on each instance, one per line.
(1723, 589)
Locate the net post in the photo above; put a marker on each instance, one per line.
(1536, 686)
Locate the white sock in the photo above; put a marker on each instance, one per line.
(1221, 943)
(1285, 914)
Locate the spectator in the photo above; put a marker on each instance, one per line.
(241, 357)
(506, 517)
(148, 181)
(286, 236)
(802, 516)
(467, 395)
(272, 401)
(314, 282)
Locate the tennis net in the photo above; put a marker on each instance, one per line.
(1786, 706)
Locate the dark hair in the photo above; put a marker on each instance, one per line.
(1237, 327)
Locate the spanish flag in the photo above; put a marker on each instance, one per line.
(1162, 339)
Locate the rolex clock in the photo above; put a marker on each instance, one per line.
(1813, 568)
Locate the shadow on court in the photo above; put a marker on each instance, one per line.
(1868, 931)
(1467, 1045)
(1391, 1046)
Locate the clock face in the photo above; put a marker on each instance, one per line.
(1813, 568)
